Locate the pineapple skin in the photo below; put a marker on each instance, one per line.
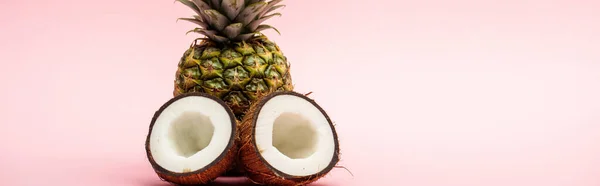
(239, 73)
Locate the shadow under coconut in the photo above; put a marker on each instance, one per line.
(224, 181)
(232, 181)
(241, 181)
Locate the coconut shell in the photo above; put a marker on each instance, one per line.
(236, 170)
(207, 174)
(256, 167)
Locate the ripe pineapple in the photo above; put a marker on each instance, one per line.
(234, 62)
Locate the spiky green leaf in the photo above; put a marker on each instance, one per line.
(252, 1)
(196, 21)
(213, 36)
(264, 27)
(199, 18)
(209, 33)
(196, 30)
(201, 5)
(216, 19)
(272, 9)
(254, 24)
(250, 12)
(244, 37)
(232, 7)
(197, 5)
(233, 30)
(269, 6)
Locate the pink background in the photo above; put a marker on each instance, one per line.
(424, 93)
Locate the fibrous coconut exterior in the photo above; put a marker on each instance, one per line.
(257, 168)
(223, 163)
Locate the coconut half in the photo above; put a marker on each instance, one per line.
(192, 139)
(287, 139)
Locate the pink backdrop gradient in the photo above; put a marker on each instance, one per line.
(423, 93)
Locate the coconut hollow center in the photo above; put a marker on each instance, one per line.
(190, 133)
(294, 136)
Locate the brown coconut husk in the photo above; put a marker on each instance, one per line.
(236, 170)
(209, 173)
(257, 169)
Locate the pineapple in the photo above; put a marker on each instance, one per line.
(234, 61)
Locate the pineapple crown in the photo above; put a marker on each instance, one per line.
(231, 20)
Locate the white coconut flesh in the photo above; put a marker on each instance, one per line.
(189, 134)
(293, 136)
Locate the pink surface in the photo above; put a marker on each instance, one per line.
(423, 93)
